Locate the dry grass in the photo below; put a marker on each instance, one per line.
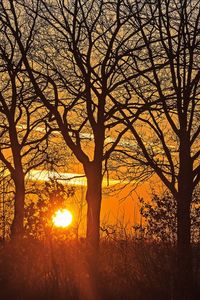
(58, 270)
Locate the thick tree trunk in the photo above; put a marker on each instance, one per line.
(17, 227)
(184, 278)
(93, 198)
(93, 173)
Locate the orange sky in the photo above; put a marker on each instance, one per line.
(116, 207)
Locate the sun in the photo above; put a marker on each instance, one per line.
(62, 218)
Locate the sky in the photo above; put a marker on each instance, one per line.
(119, 207)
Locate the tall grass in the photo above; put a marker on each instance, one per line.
(59, 270)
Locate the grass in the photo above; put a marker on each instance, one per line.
(59, 270)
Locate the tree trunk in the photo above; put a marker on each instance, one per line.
(93, 173)
(184, 278)
(17, 227)
(93, 198)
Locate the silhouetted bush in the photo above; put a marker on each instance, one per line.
(161, 218)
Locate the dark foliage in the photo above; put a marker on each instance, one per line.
(161, 220)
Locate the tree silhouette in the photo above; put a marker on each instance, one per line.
(23, 128)
(168, 135)
(80, 67)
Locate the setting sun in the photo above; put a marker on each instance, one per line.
(62, 218)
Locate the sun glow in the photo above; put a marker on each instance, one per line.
(62, 218)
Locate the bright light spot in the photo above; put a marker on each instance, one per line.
(62, 218)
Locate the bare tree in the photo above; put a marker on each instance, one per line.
(23, 129)
(80, 67)
(168, 134)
